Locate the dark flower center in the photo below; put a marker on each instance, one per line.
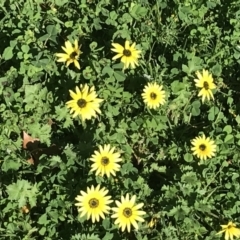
(127, 212)
(93, 203)
(104, 161)
(153, 95)
(81, 103)
(127, 53)
(202, 147)
(73, 55)
(206, 85)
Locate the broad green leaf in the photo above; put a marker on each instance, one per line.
(229, 139)
(188, 157)
(7, 53)
(51, 30)
(138, 11)
(25, 48)
(120, 76)
(227, 129)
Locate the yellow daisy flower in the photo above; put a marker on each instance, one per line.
(94, 203)
(105, 161)
(129, 54)
(153, 95)
(71, 54)
(203, 147)
(230, 231)
(205, 81)
(85, 102)
(127, 213)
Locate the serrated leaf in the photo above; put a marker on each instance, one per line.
(10, 164)
(23, 192)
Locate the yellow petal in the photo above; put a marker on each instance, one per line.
(127, 45)
(76, 63)
(117, 48)
(117, 56)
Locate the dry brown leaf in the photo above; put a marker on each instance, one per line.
(32, 145)
(30, 161)
(50, 122)
(28, 139)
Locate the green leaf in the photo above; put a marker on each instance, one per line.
(185, 69)
(43, 220)
(10, 164)
(126, 168)
(108, 70)
(108, 236)
(213, 111)
(8, 95)
(138, 11)
(51, 30)
(7, 53)
(23, 192)
(188, 157)
(196, 108)
(120, 76)
(106, 223)
(93, 46)
(217, 70)
(61, 2)
(227, 129)
(229, 139)
(25, 48)
(42, 231)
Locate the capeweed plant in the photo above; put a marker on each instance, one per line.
(132, 77)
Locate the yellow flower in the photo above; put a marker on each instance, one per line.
(105, 161)
(153, 222)
(85, 102)
(230, 231)
(153, 95)
(127, 213)
(203, 147)
(71, 54)
(205, 81)
(129, 54)
(94, 203)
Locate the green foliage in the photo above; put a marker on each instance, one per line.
(23, 193)
(189, 198)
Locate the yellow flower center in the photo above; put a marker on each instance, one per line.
(206, 85)
(93, 203)
(81, 103)
(127, 212)
(127, 53)
(104, 161)
(73, 55)
(153, 95)
(202, 147)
